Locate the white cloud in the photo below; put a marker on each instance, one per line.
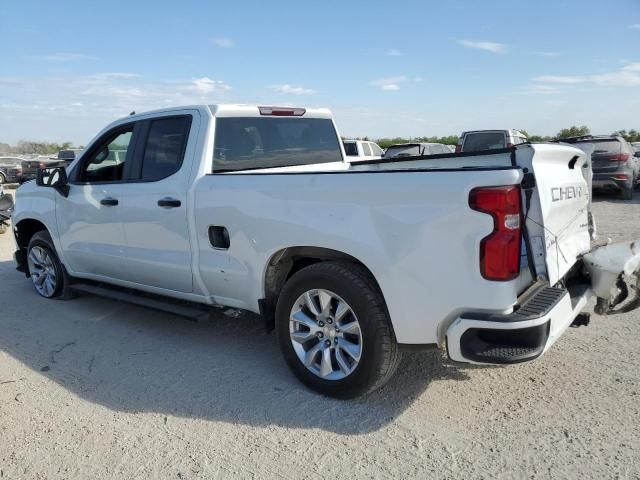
(291, 90)
(492, 47)
(635, 26)
(627, 76)
(623, 78)
(547, 54)
(390, 83)
(114, 75)
(632, 67)
(223, 42)
(392, 52)
(556, 103)
(77, 106)
(205, 85)
(65, 57)
(558, 79)
(539, 90)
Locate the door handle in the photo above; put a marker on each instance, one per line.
(110, 202)
(168, 202)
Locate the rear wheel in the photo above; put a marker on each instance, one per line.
(45, 270)
(334, 330)
(3, 179)
(626, 193)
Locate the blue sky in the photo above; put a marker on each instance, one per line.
(403, 68)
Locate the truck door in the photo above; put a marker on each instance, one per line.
(154, 202)
(91, 233)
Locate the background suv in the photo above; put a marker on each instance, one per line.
(415, 149)
(10, 169)
(615, 164)
(361, 150)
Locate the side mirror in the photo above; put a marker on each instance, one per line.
(53, 177)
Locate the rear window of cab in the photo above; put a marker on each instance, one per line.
(246, 143)
(475, 142)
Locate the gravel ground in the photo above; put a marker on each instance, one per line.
(97, 389)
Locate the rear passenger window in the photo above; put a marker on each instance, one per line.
(164, 150)
(436, 149)
(366, 151)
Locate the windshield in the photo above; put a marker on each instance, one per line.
(605, 148)
(245, 143)
(475, 142)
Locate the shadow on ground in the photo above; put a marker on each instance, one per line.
(132, 359)
(614, 197)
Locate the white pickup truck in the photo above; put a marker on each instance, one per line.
(485, 253)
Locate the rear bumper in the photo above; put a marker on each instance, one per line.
(485, 338)
(608, 181)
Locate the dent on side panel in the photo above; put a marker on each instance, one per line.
(414, 231)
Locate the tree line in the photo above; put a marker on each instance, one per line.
(30, 146)
(49, 148)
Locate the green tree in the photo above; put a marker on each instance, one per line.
(573, 132)
(630, 136)
(538, 138)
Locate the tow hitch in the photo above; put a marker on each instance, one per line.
(615, 277)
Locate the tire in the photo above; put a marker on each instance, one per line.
(3, 179)
(626, 193)
(379, 353)
(45, 267)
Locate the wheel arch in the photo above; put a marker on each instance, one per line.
(287, 261)
(27, 228)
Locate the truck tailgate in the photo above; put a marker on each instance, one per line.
(559, 220)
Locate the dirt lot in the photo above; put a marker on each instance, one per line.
(96, 389)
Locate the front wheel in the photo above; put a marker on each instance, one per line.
(47, 273)
(334, 330)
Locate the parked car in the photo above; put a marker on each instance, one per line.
(10, 169)
(415, 149)
(479, 140)
(6, 209)
(31, 166)
(616, 166)
(361, 150)
(69, 155)
(256, 208)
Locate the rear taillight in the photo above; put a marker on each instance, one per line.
(500, 250)
(282, 111)
(620, 157)
(458, 148)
